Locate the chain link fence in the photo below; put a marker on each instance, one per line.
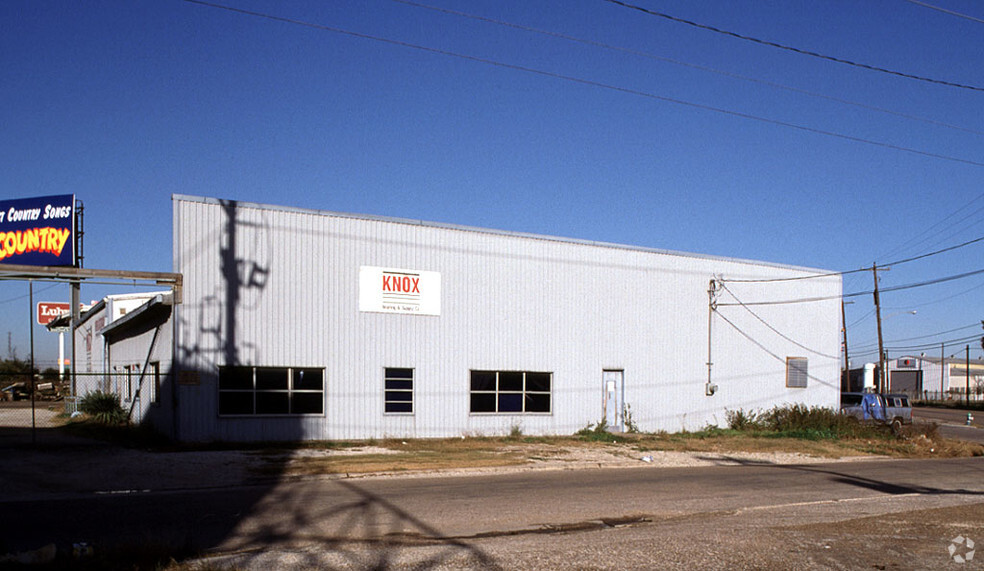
(43, 402)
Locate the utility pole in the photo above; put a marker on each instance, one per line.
(967, 372)
(846, 382)
(942, 370)
(881, 345)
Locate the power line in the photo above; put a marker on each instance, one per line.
(932, 345)
(776, 331)
(590, 83)
(794, 279)
(945, 11)
(919, 239)
(955, 228)
(954, 343)
(792, 49)
(865, 346)
(848, 272)
(764, 348)
(655, 57)
(25, 296)
(862, 318)
(860, 293)
(943, 251)
(749, 337)
(940, 300)
(933, 282)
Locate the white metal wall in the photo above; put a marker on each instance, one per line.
(90, 353)
(272, 286)
(138, 351)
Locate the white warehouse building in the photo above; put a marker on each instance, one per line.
(299, 324)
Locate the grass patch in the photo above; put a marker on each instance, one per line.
(595, 433)
(916, 441)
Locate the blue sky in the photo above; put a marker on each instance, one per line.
(682, 138)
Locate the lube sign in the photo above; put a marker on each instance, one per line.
(38, 231)
(49, 311)
(388, 290)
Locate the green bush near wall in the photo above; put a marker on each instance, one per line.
(104, 408)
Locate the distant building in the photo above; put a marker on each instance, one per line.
(924, 375)
(123, 345)
(297, 324)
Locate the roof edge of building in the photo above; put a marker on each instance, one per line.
(515, 234)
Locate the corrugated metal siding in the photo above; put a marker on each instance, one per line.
(509, 302)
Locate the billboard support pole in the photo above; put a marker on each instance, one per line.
(74, 323)
(30, 323)
(61, 356)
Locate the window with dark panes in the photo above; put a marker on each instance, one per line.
(271, 391)
(398, 390)
(510, 392)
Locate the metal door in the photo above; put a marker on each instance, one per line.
(909, 382)
(612, 399)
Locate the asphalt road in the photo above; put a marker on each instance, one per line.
(948, 416)
(538, 520)
(953, 422)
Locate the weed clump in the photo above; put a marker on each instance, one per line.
(104, 408)
(594, 432)
(802, 422)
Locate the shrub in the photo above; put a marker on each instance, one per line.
(104, 408)
(799, 418)
(595, 432)
(630, 426)
(516, 431)
(801, 421)
(742, 420)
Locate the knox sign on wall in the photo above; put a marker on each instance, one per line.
(38, 231)
(389, 290)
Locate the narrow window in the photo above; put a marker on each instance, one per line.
(155, 372)
(796, 372)
(128, 382)
(398, 390)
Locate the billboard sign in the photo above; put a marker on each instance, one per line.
(48, 311)
(38, 231)
(388, 290)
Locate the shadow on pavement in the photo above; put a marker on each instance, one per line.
(353, 529)
(137, 508)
